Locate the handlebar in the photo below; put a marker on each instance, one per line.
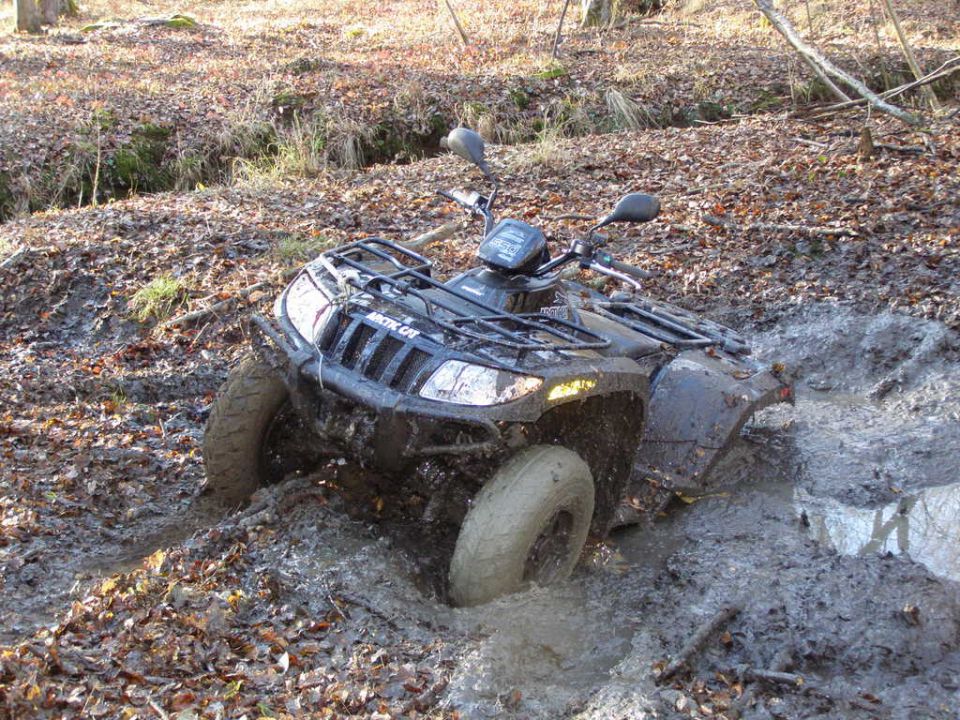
(466, 199)
(585, 252)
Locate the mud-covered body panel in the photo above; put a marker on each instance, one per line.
(700, 402)
(391, 326)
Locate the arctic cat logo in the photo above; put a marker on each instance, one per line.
(393, 325)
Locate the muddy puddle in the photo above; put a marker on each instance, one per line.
(834, 515)
(924, 526)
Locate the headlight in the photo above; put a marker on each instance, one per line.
(307, 306)
(465, 384)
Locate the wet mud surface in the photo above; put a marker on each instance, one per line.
(835, 532)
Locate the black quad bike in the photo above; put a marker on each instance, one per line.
(524, 406)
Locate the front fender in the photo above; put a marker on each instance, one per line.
(699, 404)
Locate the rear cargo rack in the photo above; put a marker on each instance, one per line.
(393, 274)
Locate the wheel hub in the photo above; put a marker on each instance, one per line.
(550, 550)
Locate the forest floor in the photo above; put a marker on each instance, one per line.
(126, 594)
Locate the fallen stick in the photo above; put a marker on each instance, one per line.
(823, 67)
(775, 676)
(569, 216)
(943, 71)
(909, 149)
(814, 230)
(444, 232)
(702, 634)
(194, 315)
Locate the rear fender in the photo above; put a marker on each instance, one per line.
(699, 404)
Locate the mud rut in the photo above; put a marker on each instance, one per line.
(837, 532)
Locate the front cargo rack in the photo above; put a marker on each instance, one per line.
(671, 325)
(393, 274)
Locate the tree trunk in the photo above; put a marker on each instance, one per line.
(911, 58)
(594, 13)
(50, 9)
(556, 37)
(824, 67)
(28, 16)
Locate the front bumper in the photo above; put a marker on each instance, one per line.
(367, 419)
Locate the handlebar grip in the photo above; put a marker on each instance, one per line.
(631, 270)
(608, 261)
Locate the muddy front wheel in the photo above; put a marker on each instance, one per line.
(527, 525)
(244, 444)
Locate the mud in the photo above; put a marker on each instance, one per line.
(835, 531)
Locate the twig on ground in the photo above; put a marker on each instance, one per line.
(425, 699)
(812, 230)
(812, 143)
(909, 149)
(780, 663)
(775, 676)
(158, 710)
(697, 641)
(568, 216)
(17, 254)
(361, 603)
(218, 307)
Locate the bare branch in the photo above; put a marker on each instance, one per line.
(813, 58)
(456, 21)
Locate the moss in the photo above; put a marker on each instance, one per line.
(766, 100)
(155, 133)
(7, 204)
(520, 98)
(304, 65)
(139, 165)
(711, 111)
(439, 125)
(553, 72)
(288, 104)
(475, 110)
(181, 22)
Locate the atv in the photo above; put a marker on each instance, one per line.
(525, 407)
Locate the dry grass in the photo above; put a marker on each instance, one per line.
(547, 153)
(625, 113)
